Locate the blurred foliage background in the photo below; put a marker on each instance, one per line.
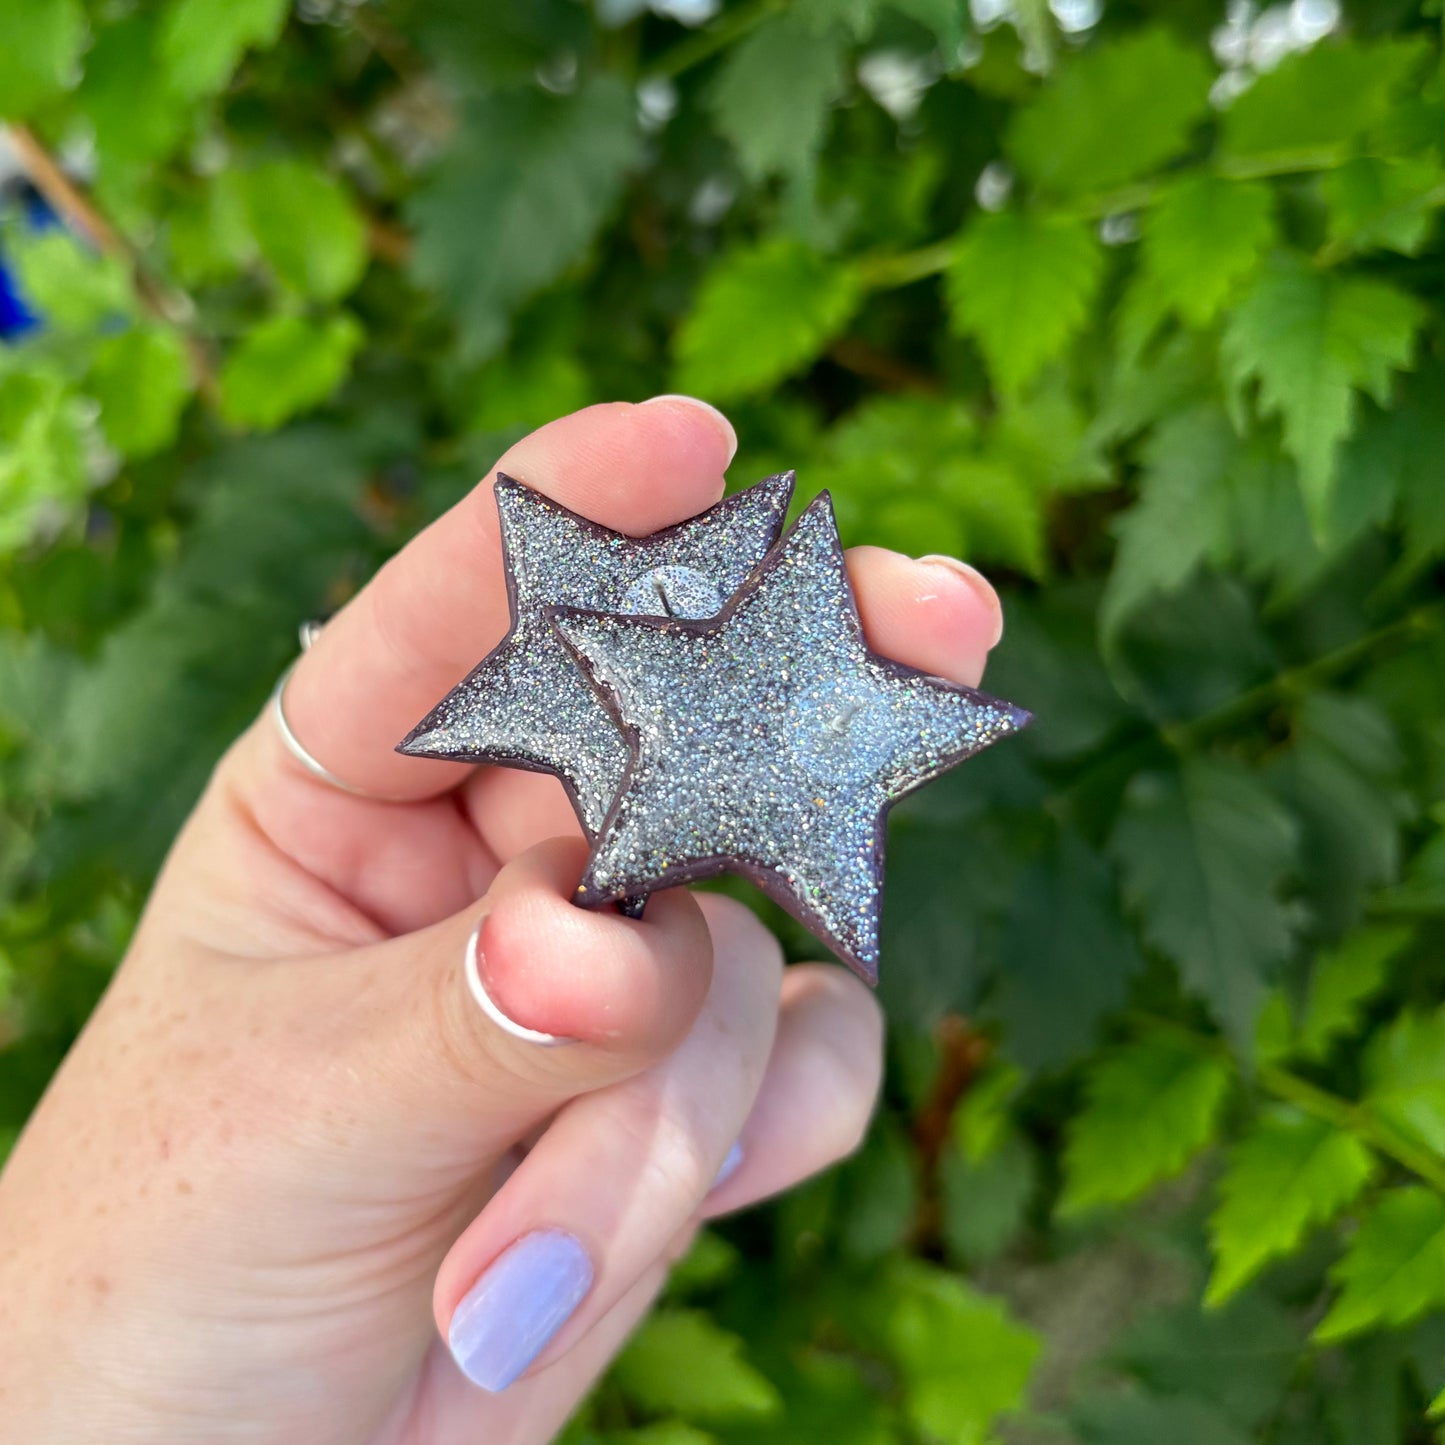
(1139, 306)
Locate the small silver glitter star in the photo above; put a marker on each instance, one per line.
(526, 704)
(769, 741)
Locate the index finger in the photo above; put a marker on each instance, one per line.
(440, 604)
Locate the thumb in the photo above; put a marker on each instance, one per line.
(616, 994)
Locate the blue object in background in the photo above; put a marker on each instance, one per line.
(16, 317)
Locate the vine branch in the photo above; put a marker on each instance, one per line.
(70, 201)
(732, 25)
(1354, 1119)
(1296, 680)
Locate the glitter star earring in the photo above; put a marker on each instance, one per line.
(527, 704)
(770, 742)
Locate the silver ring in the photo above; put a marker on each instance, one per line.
(309, 632)
(489, 1007)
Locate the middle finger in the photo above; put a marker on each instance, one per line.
(615, 1177)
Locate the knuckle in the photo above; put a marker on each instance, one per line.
(672, 1171)
(469, 1047)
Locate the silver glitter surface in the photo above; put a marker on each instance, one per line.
(771, 742)
(527, 704)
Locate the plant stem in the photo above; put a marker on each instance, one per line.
(1340, 249)
(1345, 1114)
(706, 43)
(1295, 680)
(68, 200)
(884, 271)
(1354, 1119)
(1183, 737)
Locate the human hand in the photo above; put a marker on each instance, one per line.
(289, 1139)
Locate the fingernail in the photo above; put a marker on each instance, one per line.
(710, 409)
(526, 1295)
(729, 1166)
(980, 584)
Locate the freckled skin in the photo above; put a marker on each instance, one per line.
(201, 1141)
(238, 1214)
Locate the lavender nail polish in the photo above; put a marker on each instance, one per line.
(729, 1166)
(525, 1296)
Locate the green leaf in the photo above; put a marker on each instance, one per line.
(925, 479)
(1423, 890)
(982, 1123)
(1049, 656)
(1289, 1174)
(1343, 780)
(517, 199)
(38, 60)
(938, 917)
(774, 93)
(1204, 852)
(1343, 981)
(499, 43)
(285, 366)
(1179, 516)
(1112, 114)
(1151, 1106)
(73, 286)
(1194, 650)
(1021, 286)
(945, 18)
(1065, 908)
(42, 453)
(1273, 1028)
(202, 42)
(209, 230)
(1310, 109)
(1240, 1359)
(1397, 453)
(879, 1193)
(1379, 204)
(1394, 1269)
(1312, 339)
(985, 1200)
(1201, 239)
(126, 93)
(830, 1397)
(680, 1362)
(142, 380)
(856, 17)
(661, 1432)
(1269, 536)
(307, 228)
(1405, 1077)
(526, 387)
(761, 315)
(1373, 1389)
(709, 1262)
(1129, 1418)
(276, 523)
(935, 1323)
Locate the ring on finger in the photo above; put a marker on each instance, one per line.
(309, 631)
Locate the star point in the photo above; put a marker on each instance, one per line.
(526, 704)
(770, 741)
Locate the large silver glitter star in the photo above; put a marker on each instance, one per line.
(526, 704)
(769, 741)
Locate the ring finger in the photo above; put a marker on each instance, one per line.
(616, 1176)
